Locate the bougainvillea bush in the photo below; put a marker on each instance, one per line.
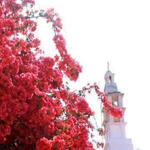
(37, 111)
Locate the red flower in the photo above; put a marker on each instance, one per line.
(36, 108)
(82, 106)
(43, 144)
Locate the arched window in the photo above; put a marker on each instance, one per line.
(110, 79)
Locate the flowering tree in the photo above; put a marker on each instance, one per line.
(37, 111)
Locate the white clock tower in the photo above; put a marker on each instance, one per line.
(115, 138)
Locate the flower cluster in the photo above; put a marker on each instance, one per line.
(37, 112)
(107, 105)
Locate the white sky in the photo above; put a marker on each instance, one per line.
(117, 31)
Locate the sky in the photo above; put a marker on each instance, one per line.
(118, 31)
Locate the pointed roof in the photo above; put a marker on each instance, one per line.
(110, 85)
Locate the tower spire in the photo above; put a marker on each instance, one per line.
(110, 85)
(108, 66)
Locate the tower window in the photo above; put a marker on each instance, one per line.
(115, 103)
(110, 78)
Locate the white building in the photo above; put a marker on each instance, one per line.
(115, 138)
